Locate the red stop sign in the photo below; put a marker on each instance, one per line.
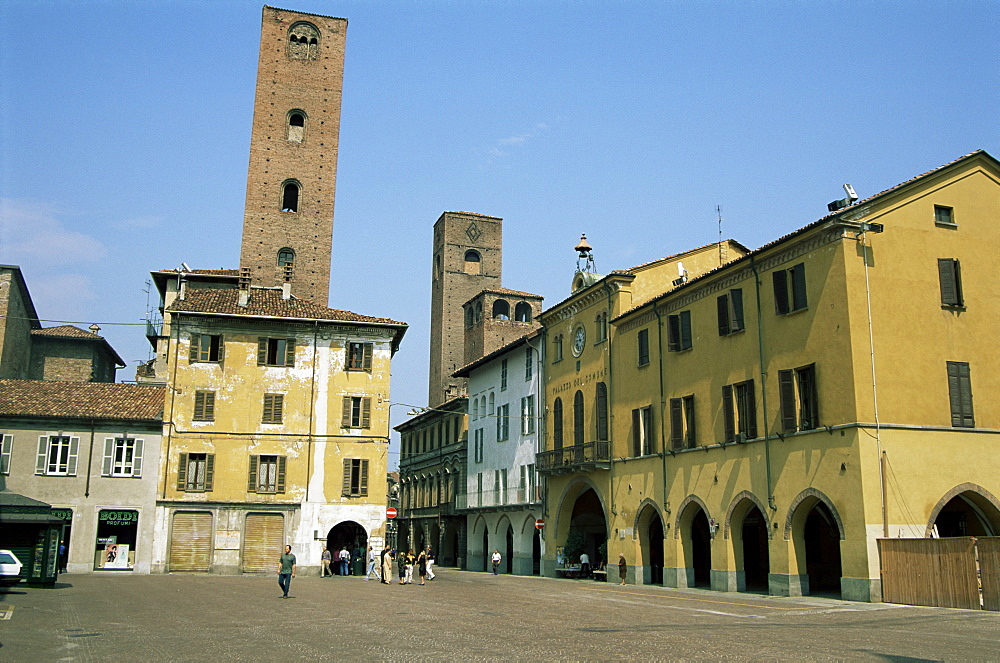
(390, 512)
(539, 524)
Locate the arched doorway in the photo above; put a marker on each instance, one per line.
(509, 553)
(821, 536)
(588, 529)
(536, 552)
(756, 557)
(650, 528)
(350, 535)
(967, 514)
(701, 550)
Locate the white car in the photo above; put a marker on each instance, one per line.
(10, 568)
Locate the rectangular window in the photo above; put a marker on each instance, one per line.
(528, 415)
(357, 412)
(503, 486)
(557, 348)
(799, 399)
(790, 289)
(206, 347)
(730, 307)
(679, 331)
(477, 436)
(273, 406)
(503, 375)
(682, 431)
(531, 482)
(528, 363)
(6, 443)
(960, 394)
(503, 422)
(267, 474)
(359, 356)
(122, 457)
(204, 406)
(950, 276)
(57, 455)
(642, 431)
(479, 486)
(355, 477)
(275, 351)
(643, 347)
(944, 216)
(739, 410)
(195, 472)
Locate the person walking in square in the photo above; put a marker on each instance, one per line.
(372, 565)
(496, 560)
(401, 563)
(286, 571)
(422, 566)
(622, 567)
(430, 563)
(410, 559)
(326, 558)
(387, 557)
(345, 562)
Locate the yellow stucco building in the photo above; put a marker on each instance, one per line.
(769, 420)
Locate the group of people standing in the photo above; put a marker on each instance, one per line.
(405, 563)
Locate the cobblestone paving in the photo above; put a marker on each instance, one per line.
(463, 616)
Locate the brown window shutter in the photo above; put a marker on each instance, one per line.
(261, 351)
(736, 310)
(685, 338)
(252, 482)
(289, 352)
(345, 420)
(347, 478)
(798, 274)
(636, 433)
(722, 306)
(368, 351)
(280, 488)
(780, 291)
(751, 411)
(676, 423)
(209, 471)
(195, 341)
(366, 412)
(951, 289)
(182, 466)
(689, 417)
(728, 413)
(364, 477)
(786, 396)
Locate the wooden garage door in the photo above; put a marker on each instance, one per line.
(263, 542)
(191, 541)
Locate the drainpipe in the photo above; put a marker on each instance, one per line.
(763, 383)
(878, 437)
(611, 449)
(90, 459)
(175, 326)
(663, 402)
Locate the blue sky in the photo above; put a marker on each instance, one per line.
(125, 132)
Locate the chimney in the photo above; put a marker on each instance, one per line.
(94, 328)
(244, 296)
(286, 290)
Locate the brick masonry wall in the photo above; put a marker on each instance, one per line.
(314, 87)
(15, 329)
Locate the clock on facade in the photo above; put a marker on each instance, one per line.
(579, 338)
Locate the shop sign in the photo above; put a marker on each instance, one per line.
(63, 514)
(118, 517)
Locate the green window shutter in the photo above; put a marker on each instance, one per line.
(779, 278)
(268, 409)
(222, 348)
(722, 306)
(685, 317)
(43, 452)
(673, 333)
(364, 477)
(109, 454)
(960, 394)
(728, 413)
(347, 478)
(676, 423)
(74, 451)
(182, 465)
(751, 411)
(252, 475)
(636, 433)
(345, 420)
(786, 397)
(210, 405)
(262, 351)
(209, 471)
(798, 274)
(951, 285)
(736, 311)
(368, 351)
(137, 459)
(195, 347)
(366, 412)
(280, 488)
(278, 405)
(289, 352)
(808, 398)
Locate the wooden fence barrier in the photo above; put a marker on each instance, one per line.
(989, 571)
(942, 572)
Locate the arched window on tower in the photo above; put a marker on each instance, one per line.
(478, 316)
(522, 312)
(296, 126)
(290, 197)
(501, 310)
(468, 316)
(303, 42)
(473, 262)
(286, 257)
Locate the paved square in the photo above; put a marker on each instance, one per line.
(462, 615)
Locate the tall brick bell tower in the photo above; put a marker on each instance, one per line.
(288, 221)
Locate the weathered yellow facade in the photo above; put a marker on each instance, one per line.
(276, 426)
(853, 399)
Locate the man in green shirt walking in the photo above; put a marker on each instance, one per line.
(286, 571)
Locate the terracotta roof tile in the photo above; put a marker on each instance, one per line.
(67, 331)
(85, 400)
(264, 303)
